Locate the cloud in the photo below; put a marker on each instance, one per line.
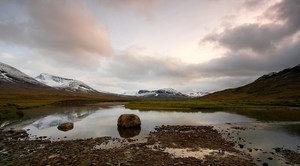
(261, 37)
(254, 37)
(234, 68)
(239, 63)
(288, 11)
(134, 64)
(145, 8)
(253, 49)
(252, 3)
(57, 28)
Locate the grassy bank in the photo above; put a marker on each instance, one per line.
(197, 104)
(14, 103)
(264, 111)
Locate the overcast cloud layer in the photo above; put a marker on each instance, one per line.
(127, 45)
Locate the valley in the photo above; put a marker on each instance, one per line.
(150, 83)
(35, 107)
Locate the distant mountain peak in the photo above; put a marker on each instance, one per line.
(64, 83)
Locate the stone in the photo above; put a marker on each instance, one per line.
(65, 126)
(129, 121)
(53, 156)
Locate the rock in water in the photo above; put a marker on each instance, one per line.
(65, 126)
(129, 120)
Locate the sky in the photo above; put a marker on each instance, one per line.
(127, 45)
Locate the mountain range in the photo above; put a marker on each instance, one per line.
(10, 76)
(166, 93)
(18, 87)
(280, 85)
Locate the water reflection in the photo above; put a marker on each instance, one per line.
(261, 139)
(129, 132)
(57, 119)
(99, 122)
(293, 129)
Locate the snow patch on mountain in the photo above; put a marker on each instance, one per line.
(13, 75)
(64, 83)
(196, 94)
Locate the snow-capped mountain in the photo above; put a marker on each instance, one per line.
(165, 93)
(196, 94)
(64, 83)
(11, 75)
(159, 93)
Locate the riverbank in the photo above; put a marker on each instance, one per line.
(167, 145)
(263, 111)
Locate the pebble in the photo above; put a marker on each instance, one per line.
(52, 156)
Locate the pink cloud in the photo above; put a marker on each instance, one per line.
(67, 26)
(142, 7)
(62, 29)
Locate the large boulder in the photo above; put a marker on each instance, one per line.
(129, 120)
(65, 126)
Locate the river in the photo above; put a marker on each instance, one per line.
(95, 121)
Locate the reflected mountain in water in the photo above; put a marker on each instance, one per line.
(57, 119)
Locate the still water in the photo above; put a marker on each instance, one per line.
(98, 121)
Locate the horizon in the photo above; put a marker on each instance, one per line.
(129, 93)
(124, 46)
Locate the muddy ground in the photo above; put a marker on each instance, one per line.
(167, 145)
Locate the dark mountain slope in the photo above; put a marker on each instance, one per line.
(283, 85)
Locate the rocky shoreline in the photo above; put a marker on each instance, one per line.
(167, 145)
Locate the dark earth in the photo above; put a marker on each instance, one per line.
(167, 145)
